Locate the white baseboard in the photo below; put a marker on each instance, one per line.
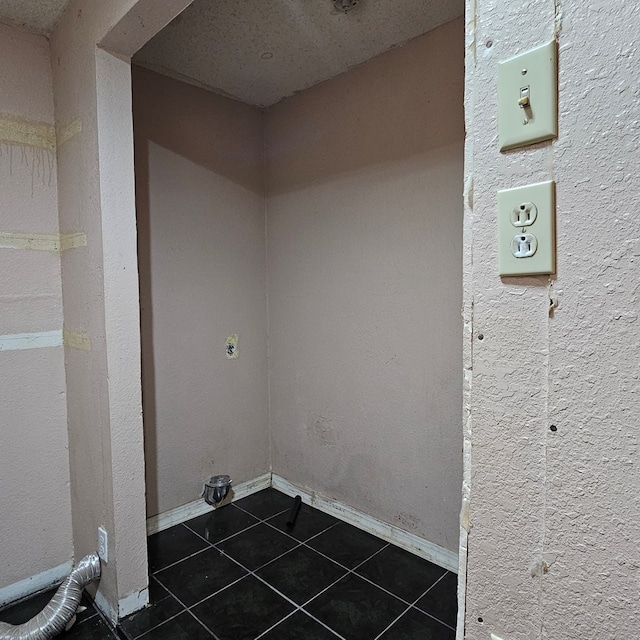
(199, 507)
(133, 602)
(403, 539)
(34, 584)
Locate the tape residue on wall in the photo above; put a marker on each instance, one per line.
(40, 340)
(26, 133)
(65, 134)
(76, 340)
(42, 241)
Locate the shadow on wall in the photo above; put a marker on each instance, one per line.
(383, 111)
(186, 109)
(146, 318)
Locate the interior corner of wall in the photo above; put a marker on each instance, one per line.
(105, 607)
(557, 24)
(472, 21)
(64, 134)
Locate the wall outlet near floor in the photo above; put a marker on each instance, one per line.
(103, 544)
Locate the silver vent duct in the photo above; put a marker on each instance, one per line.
(53, 619)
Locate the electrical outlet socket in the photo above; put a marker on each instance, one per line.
(103, 544)
(526, 230)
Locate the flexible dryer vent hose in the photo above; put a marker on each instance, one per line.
(53, 619)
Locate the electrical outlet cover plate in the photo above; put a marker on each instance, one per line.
(532, 77)
(103, 544)
(542, 228)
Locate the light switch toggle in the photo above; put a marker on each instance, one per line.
(524, 245)
(524, 101)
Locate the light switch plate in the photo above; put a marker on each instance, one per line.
(526, 228)
(528, 97)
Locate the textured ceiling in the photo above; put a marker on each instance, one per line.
(40, 16)
(260, 51)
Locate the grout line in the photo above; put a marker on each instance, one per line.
(185, 609)
(413, 606)
(173, 617)
(173, 564)
(273, 626)
(442, 577)
(297, 608)
(215, 593)
(233, 535)
(202, 624)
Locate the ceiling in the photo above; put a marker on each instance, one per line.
(40, 16)
(261, 51)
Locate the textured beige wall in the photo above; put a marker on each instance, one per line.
(364, 209)
(555, 516)
(34, 467)
(100, 284)
(200, 206)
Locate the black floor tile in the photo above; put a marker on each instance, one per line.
(93, 629)
(414, 625)
(346, 544)
(299, 626)
(356, 609)
(197, 577)
(301, 574)
(257, 546)
(182, 627)
(441, 601)
(265, 503)
(221, 523)
(243, 610)
(309, 522)
(172, 545)
(146, 619)
(157, 591)
(403, 573)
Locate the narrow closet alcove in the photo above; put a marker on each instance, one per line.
(299, 179)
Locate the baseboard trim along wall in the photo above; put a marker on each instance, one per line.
(35, 584)
(199, 507)
(403, 539)
(133, 602)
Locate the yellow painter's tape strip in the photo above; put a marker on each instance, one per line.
(26, 133)
(70, 131)
(42, 241)
(76, 340)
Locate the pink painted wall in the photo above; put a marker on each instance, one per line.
(200, 205)
(364, 209)
(554, 516)
(34, 468)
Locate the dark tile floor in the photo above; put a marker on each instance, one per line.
(240, 574)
